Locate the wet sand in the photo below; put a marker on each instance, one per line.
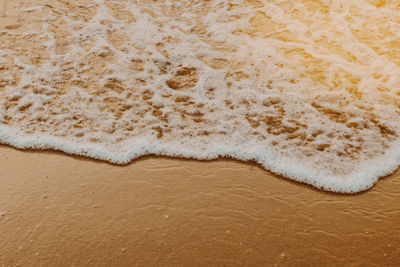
(60, 210)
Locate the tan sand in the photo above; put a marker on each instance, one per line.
(59, 210)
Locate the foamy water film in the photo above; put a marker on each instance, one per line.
(307, 89)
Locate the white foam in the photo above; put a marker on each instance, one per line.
(304, 96)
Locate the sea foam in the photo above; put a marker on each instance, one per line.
(307, 89)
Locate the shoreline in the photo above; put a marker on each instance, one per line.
(225, 158)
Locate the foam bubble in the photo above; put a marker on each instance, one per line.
(309, 90)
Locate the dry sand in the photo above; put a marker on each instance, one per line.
(59, 210)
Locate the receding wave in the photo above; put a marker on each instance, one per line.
(308, 89)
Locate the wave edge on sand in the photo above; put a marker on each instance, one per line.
(359, 182)
(308, 90)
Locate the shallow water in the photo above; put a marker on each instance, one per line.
(308, 89)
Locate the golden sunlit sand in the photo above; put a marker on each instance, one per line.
(59, 210)
(307, 89)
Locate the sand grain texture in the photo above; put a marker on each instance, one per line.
(57, 210)
(306, 89)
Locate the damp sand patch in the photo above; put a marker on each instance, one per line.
(308, 90)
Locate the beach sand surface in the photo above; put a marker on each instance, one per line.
(60, 210)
